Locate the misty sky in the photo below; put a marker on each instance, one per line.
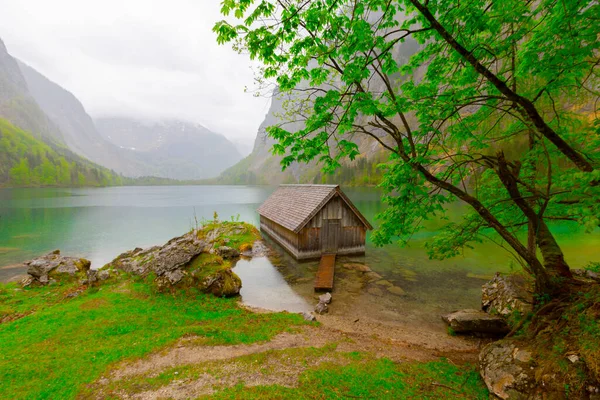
(143, 58)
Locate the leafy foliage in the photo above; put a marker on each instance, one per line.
(495, 108)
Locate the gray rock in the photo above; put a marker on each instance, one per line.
(27, 281)
(175, 276)
(321, 308)
(259, 249)
(507, 370)
(103, 275)
(227, 252)
(506, 293)
(308, 316)
(325, 298)
(173, 263)
(476, 321)
(41, 269)
(92, 276)
(586, 273)
(175, 254)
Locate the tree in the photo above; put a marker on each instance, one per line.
(490, 109)
(20, 174)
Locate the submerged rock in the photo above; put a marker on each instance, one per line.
(54, 266)
(476, 321)
(398, 291)
(325, 298)
(356, 267)
(507, 293)
(321, 308)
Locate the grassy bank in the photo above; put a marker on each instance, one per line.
(65, 342)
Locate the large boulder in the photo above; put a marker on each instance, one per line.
(175, 254)
(475, 322)
(197, 259)
(507, 293)
(55, 266)
(508, 370)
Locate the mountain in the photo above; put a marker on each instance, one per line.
(18, 106)
(168, 149)
(175, 149)
(262, 167)
(77, 127)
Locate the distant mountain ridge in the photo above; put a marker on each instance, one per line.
(174, 148)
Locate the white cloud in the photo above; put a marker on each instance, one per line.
(144, 58)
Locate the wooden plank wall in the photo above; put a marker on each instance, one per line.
(353, 231)
(281, 234)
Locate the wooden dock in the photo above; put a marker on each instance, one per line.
(324, 280)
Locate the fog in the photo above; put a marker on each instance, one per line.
(146, 59)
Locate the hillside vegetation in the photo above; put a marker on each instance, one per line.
(27, 161)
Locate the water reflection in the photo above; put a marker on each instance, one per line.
(264, 286)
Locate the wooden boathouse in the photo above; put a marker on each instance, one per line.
(313, 220)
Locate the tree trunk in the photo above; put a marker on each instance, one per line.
(554, 262)
(531, 233)
(543, 283)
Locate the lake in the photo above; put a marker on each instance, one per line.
(101, 223)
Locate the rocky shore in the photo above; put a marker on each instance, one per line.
(201, 258)
(544, 350)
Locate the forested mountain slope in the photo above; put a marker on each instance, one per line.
(26, 161)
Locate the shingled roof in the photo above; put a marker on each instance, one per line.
(292, 206)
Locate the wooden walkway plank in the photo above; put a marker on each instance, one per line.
(324, 279)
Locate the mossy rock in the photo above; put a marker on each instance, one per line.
(223, 283)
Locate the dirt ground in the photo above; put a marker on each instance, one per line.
(396, 342)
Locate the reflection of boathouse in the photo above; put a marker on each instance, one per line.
(311, 220)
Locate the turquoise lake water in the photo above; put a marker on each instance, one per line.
(101, 223)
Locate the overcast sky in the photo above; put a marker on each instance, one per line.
(142, 58)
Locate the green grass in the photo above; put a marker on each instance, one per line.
(235, 234)
(373, 379)
(65, 343)
(316, 373)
